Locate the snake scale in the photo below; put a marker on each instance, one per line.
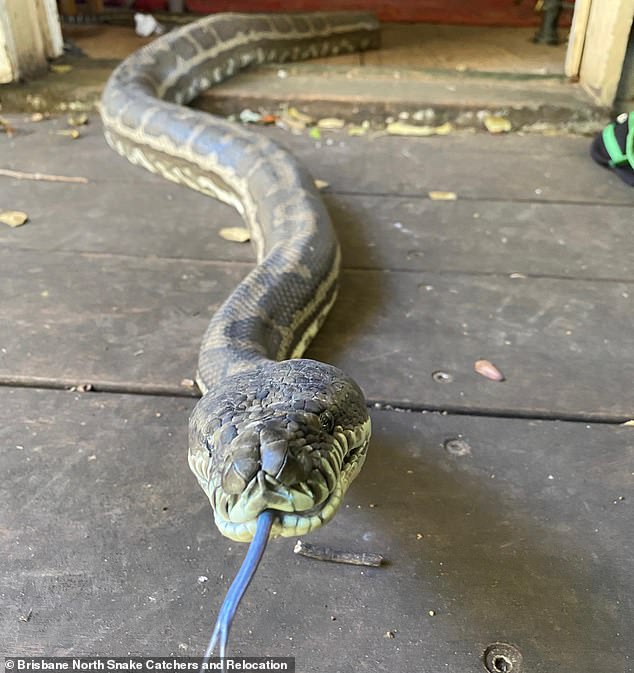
(275, 440)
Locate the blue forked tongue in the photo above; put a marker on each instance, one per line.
(238, 587)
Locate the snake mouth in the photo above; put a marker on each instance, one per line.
(302, 506)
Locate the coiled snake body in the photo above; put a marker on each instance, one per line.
(272, 432)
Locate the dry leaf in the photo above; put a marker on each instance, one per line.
(295, 114)
(288, 122)
(403, 129)
(497, 124)
(61, 68)
(321, 184)
(488, 370)
(331, 123)
(80, 119)
(236, 234)
(71, 133)
(444, 129)
(14, 218)
(357, 130)
(5, 127)
(442, 196)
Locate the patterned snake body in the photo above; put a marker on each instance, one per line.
(272, 431)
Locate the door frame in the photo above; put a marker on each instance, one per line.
(30, 34)
(598, 42)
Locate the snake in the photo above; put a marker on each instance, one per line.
(276, 439)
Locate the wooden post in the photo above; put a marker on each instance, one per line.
(608, 29)
(29, 34)
(577, 37)
(50, 27)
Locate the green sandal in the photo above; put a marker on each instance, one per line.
(614, 147)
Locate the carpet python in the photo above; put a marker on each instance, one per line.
(275, 439)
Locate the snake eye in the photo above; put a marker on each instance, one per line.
(327, 421)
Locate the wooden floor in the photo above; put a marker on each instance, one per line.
(522, 533)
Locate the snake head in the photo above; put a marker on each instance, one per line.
(289, 436)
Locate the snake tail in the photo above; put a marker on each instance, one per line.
(240, 584)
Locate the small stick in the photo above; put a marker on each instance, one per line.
(328, 554)
(20, 175)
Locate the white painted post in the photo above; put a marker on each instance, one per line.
(29, 34)
(577, 37)
(609, 25)
(51, 28)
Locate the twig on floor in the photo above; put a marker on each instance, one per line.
(328, 554)
(20, 175)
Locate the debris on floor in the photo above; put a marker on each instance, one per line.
(235, 234)
(295, 121)
(331, 123)
(400, 128)
(60, 68)
(488, 370)
(323, 553)
(248, 116)
(77, 119)
(442, 196)
(7, 128)
(496, 124)
(46, 177)
(13, 218)
(146, 25)
(74, 134)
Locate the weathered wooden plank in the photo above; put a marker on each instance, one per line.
(165, 220)
(527, 538)
(117, 319)
(589, 241)
(157, 219)
(564, 345)
(474, 166)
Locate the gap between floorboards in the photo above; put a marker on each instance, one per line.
(105, 387)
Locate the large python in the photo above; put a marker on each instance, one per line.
(275, 440)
